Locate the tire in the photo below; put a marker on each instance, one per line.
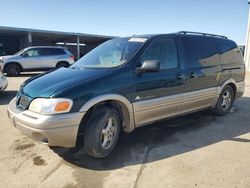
(102, 132)
(13, 70)
(62, 64)
(225, 101)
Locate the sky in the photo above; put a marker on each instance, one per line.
(129, 17)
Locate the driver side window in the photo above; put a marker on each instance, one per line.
(31, 53)
(163, 50)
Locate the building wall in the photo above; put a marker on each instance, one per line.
(9, 45)
(247, 48)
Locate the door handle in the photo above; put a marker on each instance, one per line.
(180, 77)
(170, 84)
(192, 75)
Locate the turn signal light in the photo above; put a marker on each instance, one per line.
(62, 106)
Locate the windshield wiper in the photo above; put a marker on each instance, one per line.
(76, 67)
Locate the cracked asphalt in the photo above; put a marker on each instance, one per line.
(197, 150)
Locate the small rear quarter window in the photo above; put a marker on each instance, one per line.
(224, 45)
(229, 52)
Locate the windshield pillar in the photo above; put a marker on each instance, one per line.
(78, 47)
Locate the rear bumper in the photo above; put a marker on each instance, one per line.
(53, 130)
(3, 83)
(240, 89)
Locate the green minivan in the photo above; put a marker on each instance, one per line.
(126, 83)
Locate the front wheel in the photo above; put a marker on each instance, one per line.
(13, 70)
(102, 132)
(225, 101)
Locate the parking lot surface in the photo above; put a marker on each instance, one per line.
(197, 150)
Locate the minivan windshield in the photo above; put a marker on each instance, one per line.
(20, 52)
(111, 53)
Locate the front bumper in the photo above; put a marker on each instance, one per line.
(53, 130)
(3, 82)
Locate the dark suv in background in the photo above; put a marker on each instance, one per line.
(36, 58)
(126, 83)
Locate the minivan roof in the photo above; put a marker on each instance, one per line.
(183, 33)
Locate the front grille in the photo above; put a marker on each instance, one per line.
(22, 101)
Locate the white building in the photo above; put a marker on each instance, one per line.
(247, 48)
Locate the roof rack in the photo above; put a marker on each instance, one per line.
(204, 34)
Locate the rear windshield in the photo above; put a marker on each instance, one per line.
(112, 53)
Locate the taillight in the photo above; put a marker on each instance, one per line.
(244, 76)
(72, 57)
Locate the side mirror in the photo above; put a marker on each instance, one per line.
(149, 66)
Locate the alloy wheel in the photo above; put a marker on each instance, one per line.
(226, 100)
(108, 133)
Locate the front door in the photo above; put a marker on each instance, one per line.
(159, 94)
(31, 59)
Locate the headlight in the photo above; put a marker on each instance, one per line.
(51, 106)
(1, 60)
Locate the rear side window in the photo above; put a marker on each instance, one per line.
(163, 50)
(52, 51)
(224, 45)
(200, 52)
(57, 51)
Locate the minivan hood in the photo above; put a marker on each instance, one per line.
(58, 80)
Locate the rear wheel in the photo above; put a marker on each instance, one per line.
(62, 64)
(13, 70)
(102, 132)
(225, 101)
